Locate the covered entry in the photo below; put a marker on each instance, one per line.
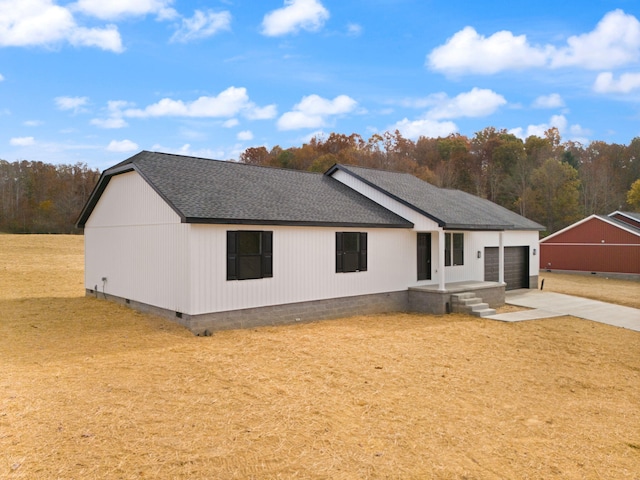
(516, 266)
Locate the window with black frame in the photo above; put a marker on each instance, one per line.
(453, 249)
(249, 255)
(351, 252)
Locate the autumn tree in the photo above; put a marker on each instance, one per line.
(633, 196)
(603, 187)
(255, 156)
(37, 197)
(534, 177)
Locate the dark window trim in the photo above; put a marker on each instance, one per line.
(343, 255)
(453, 255)
(234, 257)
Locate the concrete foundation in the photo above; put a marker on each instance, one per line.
(426, 300)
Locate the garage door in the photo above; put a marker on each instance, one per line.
(516, 266)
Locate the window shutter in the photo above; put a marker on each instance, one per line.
(363, 252)
(339, 252)
(267, 254)
(232, 255)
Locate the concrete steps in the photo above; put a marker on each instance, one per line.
(470, 304)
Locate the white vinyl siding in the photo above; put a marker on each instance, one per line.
(130, 200)
(303, 267)
(135, 240)
(477, 241)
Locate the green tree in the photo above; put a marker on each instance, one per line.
(555, 195)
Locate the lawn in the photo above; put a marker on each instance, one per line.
(93, 390)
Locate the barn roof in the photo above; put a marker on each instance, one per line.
(626, 221)
(631, 219)
(451, 209)
(212, 191)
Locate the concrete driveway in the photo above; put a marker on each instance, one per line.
(550, 304)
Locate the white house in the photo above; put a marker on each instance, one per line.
(215, 244)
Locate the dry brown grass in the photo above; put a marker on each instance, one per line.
(622, 292)
(92, 390)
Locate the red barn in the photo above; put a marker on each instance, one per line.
(599, 243)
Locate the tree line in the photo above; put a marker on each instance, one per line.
(543, 178)
(37, 197)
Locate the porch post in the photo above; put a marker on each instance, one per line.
(501, 258)
(441, 281)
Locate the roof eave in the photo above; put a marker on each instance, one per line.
(296, 223)
(490, 228)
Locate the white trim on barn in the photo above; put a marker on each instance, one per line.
(602, 218)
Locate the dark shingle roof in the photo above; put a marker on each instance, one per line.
(452, 209)
(213, 191)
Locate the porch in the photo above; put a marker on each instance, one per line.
(432, 299)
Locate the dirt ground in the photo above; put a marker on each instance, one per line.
(93, 390)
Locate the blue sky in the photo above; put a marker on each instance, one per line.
(96, 81)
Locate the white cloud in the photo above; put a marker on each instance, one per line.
(122, 146)
(232, 122)
(423, 128)
(227, 103)
(245, 135)
(354, 30)
(577, 131)
(570, 132)
(469, 52)
(313, 110)
(41, 22)
(22, 141)
(187, 150)
(32, 123)
(76, 104)
(552, 100)
(558, 121)
(262, 113)
(107, 38)
(116, 9)
(606, 83)
(109, 123)
(475, 103)
(1, 78)
(114, 119)
(614, 42)
(307, 15)
(202, 25)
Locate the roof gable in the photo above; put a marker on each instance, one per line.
(451, 209)
(595, 229)
(213, 191)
